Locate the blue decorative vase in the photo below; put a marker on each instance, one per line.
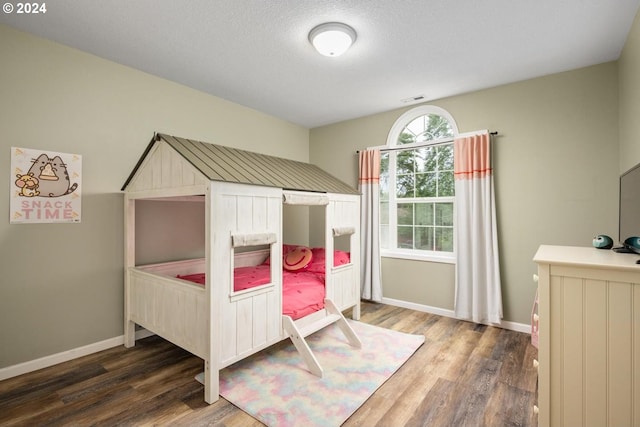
(602, 241)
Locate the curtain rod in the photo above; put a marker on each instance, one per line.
(425, 144)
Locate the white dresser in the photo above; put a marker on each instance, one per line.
(589, 337)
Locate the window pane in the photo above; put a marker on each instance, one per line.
(426, 159)
(405, 162)
(445, 157)
(405, 185)
(384, 212)
(384, 236)
(384, 176)
(424, 238)
(384, 188)
(424, 213)
(446, 186)
(405, 237)
(426, 185)
(384, 163)
(444, 239)
(444, 214)
(406, 137)
(405, 213)
(439, 127)
(416, 126)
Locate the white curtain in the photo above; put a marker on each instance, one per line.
(369, 185)
(478, 295)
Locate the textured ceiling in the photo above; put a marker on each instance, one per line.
(256, 52)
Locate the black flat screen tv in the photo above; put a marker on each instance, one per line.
(629, 225)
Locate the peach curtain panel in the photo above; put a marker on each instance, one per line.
(472, 157)
(369, 186)
(478, 294)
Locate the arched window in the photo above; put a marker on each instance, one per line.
(417, 187)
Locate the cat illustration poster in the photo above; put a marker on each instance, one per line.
(45, 186)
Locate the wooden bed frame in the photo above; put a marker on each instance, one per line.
(174, 309)
(214, 322)
(169, 306)
(243, 195)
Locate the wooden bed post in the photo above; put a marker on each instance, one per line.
(356, 253)
(129, 261)
(211, 382)
(211, 363)
(329, 221)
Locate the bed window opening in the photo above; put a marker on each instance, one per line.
(251, 268)
(341, 250)
(182, 234)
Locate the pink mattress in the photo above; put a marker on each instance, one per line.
(302, 292)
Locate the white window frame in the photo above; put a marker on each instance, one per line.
(392, 139)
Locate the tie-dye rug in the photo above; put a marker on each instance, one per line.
(275, 387)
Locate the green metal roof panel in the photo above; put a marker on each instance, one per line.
(220, 163)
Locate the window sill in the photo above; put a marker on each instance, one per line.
(444, 259)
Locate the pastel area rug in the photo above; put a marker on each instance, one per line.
(275, 387)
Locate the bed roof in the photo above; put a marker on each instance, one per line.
(220, 163)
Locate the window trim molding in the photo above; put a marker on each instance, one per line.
(414, 113)
(417, 255)
(392, 146)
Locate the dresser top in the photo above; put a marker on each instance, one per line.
(586, 257)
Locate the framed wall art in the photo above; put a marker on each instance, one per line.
(45, 186)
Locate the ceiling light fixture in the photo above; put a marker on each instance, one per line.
(332, 38)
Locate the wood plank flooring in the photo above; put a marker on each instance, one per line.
(464, 375)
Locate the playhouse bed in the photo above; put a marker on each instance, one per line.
(232, 302)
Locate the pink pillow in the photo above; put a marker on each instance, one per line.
(319, 255)
(285, 249)
(297, 259)
(341, 258)
(317, 263)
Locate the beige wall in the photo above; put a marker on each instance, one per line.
(629, 65)
(61, 285)
(556, 174)
(557, 166)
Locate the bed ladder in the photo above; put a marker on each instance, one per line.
(298, 335)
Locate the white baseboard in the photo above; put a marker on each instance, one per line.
(518, 327)
(418, 307)
(65, 356)
(513, 326)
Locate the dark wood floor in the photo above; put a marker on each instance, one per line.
(464, 375)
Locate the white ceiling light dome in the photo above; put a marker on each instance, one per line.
(332, 38)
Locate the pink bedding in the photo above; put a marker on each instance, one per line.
(244, 277)
(250, 277)
(302, 292)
